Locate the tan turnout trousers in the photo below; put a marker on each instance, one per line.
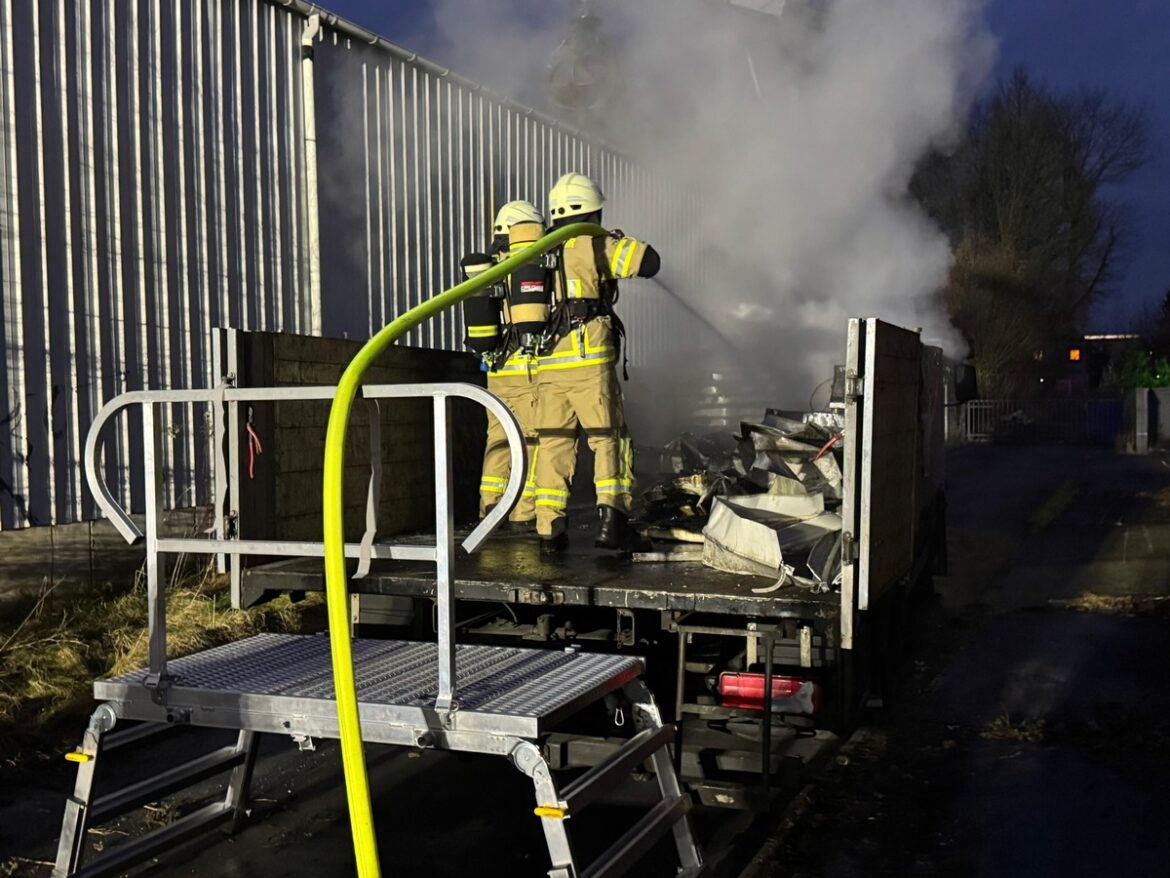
(518, 391)
(578, 390)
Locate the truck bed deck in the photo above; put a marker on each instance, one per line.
(509, 568)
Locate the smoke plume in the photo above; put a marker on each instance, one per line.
(797, 135)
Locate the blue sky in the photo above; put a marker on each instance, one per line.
(1120, 45)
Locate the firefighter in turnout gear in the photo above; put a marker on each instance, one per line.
(578, 388)
(504, 325)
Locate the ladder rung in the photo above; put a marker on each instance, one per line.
(161, 784)
(129, 735)
(118, 859)
(630, 848)
(610, 772)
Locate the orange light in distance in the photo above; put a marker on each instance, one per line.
(1074, 355)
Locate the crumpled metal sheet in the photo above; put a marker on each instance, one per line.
(713, 452)
(830, 421)
(759, 497)
(793, 450)
(777, 473)
(755, 533)
(824, 561)
(787, 435)
(686, 495)
(774, 483)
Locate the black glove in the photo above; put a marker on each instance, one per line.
(499, 245)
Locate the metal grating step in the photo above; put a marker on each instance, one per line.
(291, 673)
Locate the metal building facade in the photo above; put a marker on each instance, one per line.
(152, 172)
(414, 160)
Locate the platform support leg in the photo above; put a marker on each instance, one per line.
(527, 757)
(679, 699)
(236, 798)
(156, 597)
(445, 699)
(75, 824)
(647, 716)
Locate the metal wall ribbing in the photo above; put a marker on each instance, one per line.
(432, 158)
(151, 165)
(149, 159)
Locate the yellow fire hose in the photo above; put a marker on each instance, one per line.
(357, 788)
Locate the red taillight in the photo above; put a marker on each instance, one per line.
(789, 694)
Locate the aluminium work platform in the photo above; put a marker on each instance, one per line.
(282, 683)
(492, 700)
(510, 699)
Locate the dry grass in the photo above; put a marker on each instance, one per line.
(1004, 728)
(14, 866)
(1123, 605)
(160, 814)
(1118, 605)
(53, 649)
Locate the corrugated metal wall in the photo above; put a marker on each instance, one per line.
(149, 162)
(151, 154)
(429, 159)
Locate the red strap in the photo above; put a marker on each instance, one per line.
(254, 448)
(826, 446)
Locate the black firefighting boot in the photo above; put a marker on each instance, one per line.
(556, 544)
(516, 527)
(509, 526)
(614, 531)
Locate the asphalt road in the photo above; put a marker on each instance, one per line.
(1032, 734)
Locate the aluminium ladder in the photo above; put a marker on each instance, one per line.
(504, 700)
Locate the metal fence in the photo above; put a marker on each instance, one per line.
(152, 187)
(1095, 421)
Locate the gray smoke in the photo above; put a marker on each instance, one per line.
(798, 135)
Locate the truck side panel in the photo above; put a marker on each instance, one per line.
(851, 494)
(890, 438)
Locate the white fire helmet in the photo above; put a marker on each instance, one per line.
(516, 212)
(574, 195)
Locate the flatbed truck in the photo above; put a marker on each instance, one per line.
(725, 654)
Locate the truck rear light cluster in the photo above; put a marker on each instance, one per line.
(789, 694)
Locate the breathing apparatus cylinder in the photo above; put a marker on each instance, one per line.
(530, 287)
(481, 312)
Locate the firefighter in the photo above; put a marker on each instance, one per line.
(577, 387)
(504, 324)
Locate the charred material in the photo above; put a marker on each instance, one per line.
(765, 501)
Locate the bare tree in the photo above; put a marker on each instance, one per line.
(999, 314)
(1103, 142)
(1026, 201)
(1152, 323)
